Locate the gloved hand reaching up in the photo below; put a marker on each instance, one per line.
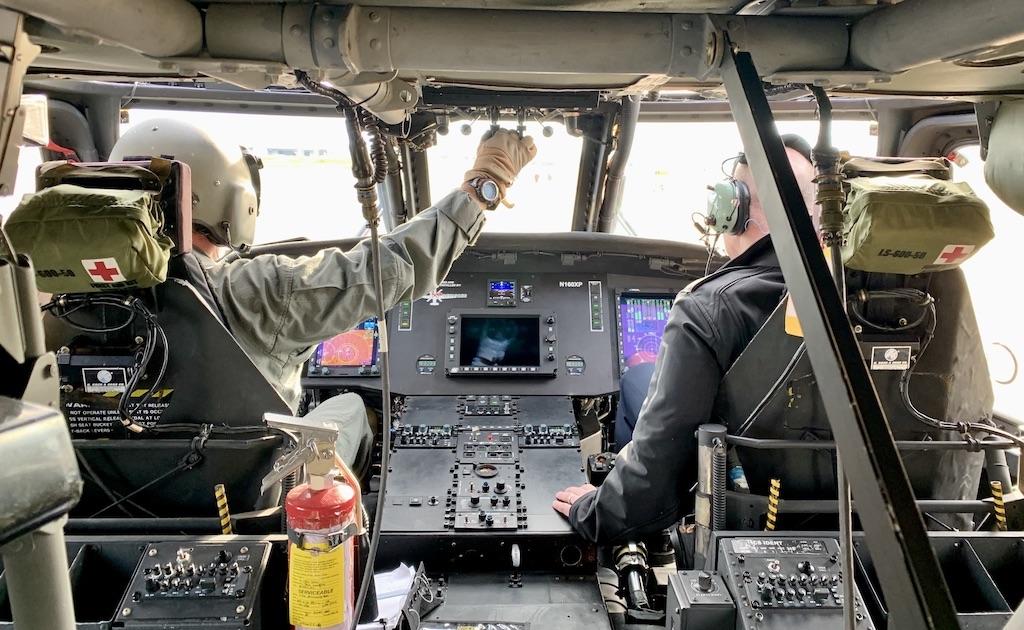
(500, 157)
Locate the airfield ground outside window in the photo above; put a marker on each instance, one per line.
(996, 299)
(307, 183)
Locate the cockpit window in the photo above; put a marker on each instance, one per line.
(306, 179)
(672, 163)
(28, 159)
(543, 193)
(998, 319)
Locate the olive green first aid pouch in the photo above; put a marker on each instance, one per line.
(912, 224)
(91, 239)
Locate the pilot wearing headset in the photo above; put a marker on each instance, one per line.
(710, 324)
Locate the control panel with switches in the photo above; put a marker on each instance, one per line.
(214, 584)
(698, 600)
(424, 436)
(469, 465)
(787, 582)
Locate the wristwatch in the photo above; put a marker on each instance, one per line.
(487, 191)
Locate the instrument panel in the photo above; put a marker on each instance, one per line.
(537, 333)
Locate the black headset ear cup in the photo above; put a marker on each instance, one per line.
(742, 207)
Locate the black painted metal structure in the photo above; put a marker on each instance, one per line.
(893, 529)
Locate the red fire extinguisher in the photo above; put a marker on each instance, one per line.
(324, 520)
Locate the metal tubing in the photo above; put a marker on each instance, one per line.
(188, 525)
(829, 196)
(365, 39)
(846, 542)
(596, 130)
(390, 191)
(261, 25)
(997, 469)
(879, 40)
(912, 574)
(159, 28)
(830, 506)
(36, 570)
(707, 437)
(416, 178)
(903, 445)
(615, 181)
(32, 323)
(572, 43)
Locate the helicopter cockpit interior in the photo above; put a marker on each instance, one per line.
(857, 468)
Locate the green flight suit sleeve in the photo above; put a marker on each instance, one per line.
(284, 305)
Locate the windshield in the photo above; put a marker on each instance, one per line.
(672, 163)
(543, 193)
(306, 180)
(986, 276)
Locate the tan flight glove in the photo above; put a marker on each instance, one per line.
(500, 157)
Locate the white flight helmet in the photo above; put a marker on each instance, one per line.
(225, 179)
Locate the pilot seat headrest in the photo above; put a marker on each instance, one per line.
(1004, 164)
(94, 228)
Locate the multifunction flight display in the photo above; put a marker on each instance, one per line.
(352, 353)
(642, 319)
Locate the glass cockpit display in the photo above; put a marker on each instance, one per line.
(501, 293)
(499, 341)
(352, 353)
(642, 319)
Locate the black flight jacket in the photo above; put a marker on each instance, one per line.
(711, 323)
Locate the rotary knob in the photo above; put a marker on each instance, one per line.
(704, 582)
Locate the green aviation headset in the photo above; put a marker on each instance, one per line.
(729, 200)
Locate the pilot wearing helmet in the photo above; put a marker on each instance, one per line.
(279, 308)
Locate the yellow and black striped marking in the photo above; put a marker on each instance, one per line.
(222, 508)
(999, 506)
(773, 505)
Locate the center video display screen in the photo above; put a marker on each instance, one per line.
(642, 319)
(511, 341)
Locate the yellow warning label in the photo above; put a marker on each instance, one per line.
(316, 587)
(793, 327)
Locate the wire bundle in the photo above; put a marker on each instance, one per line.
(65, 305)
(965, 427)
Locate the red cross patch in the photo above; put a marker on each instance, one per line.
(954, 254)
(103, 270)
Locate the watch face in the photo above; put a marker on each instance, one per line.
(489, 191)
